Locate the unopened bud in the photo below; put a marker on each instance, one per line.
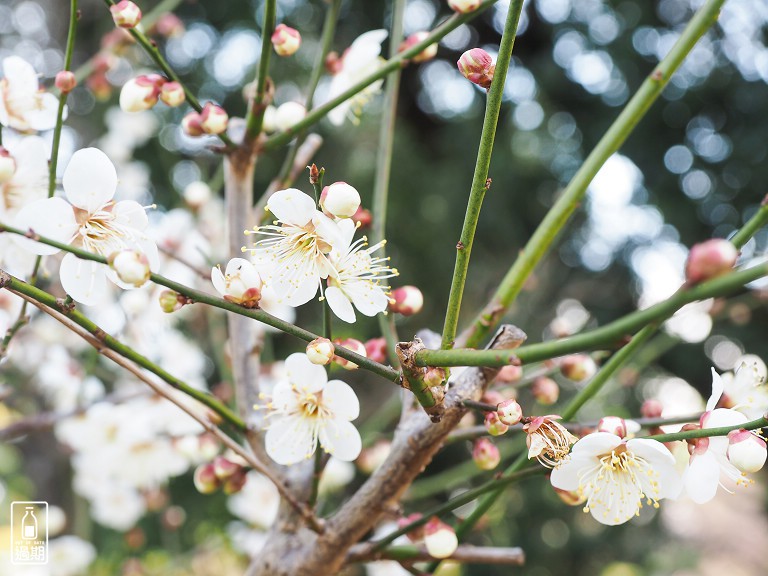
(464, 6)
(509, 412)
(240, 283)
(224, 468)
(235, 483)
(406, 300)
(213, 119)
(131, 266)
(376, 349)
(333, 63)
(417, 533)
(746, 451)
(192, 124)
(353, 345)
(205, 479)
(141, 93)
(269, 124)
(494, 425)
(545, 390)
(289, 114)
(373, 457)
(98, 84)
(477, 66)
(651, 408)
(613, 425)
(169, 25)
(172, 94)
(125, 14)
(7, 165)
(171, 301)
(65, 81)
(485, 454)
(339, 200)
(197, 194)
(578, 367)
(427, 54)
(509, 374)
(439, 538)
(493, 397)
(710, 259)
(286, 40)
(435, 376)
(320, 351)
(363, 218)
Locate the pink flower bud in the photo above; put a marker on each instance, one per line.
(509, 374)
(477, 66)
(125, 14)
(427, 54)
(192, 124)
(363, 218)
(406, 300)
(235, 483)
(7, 165)
(65, 81)
(320, 351)
(613, 425)
(354, 346)
(171, 301)
(224, 468)
(464, 6)
(169, 25)
(98, 84)
(376, 349)
(339, 200)
(172, 94)
(494, 425)
(286, 40)
(651, 408)
(141, 93)
(493, 397)
(205, 479)
(435, 376)
(439, 538)
(710, 259)
(213, 119)
(545, 390)
(509, 412)
(132, 267)
(578, 367)
(485, 454)
(417, 533)
(746, 451)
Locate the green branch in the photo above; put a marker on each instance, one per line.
(68, 308)
(571, 197)
(386, 68)
(198, 296)
(480, 182)
(758, 220)
(761, 422)
(255, 116)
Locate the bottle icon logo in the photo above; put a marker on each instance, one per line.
(29, 524)
(29, 533)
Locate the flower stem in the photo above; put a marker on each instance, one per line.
(255, 117)
(480, 180)
(761, 422)
(67, 307)
(386, 68)
(571, 197)
(758, 220)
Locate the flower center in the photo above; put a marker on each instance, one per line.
(311, 405)
(100, 231)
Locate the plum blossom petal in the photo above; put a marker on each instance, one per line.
(340, 304)
(288, 441)
(90, 179)
(342, 400)
(702, 477)
(50, 217)
(303, 374)
(341, 439)
(84, 280)
(29, 183)
(292, 206)
(23, 106)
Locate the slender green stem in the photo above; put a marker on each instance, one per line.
(255, 117)
(386, 68)
(605, 336)
(201, 297)
(761, 422)
(758, 220)
(571, 197)
(150, 47)
(480, 181)
(67, 307)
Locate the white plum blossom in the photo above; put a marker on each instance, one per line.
(30, 178)
(239, 283)
(91, 220)
(257, 503)
(23, 106)
(745, 388)
(614, 477)
(70, 555)
(293, 255)
(358, 276)
(305, 409)
(359, 60)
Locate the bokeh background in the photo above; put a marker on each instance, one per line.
(695, 168)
